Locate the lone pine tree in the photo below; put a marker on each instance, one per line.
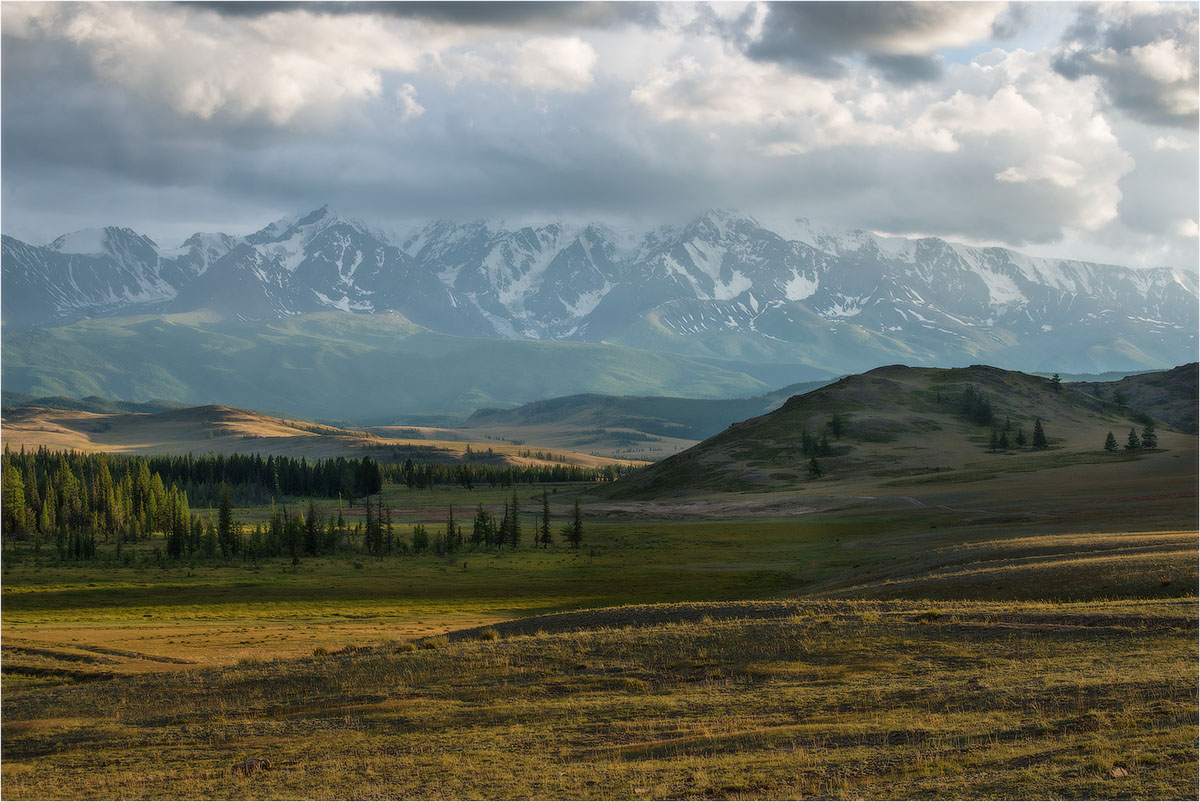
(1039, 435)
(1110, 442)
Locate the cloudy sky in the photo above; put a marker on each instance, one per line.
(1056, 128)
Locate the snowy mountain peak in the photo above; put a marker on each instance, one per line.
(100, 241)
(721, 224)
(723, 285)
(309, 224)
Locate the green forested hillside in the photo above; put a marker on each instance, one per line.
(362, 368)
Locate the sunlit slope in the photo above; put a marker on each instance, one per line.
(227, 430)
(900, 423)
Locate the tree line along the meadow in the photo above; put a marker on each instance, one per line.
(71, 502)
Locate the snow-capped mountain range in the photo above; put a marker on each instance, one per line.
(722, 287)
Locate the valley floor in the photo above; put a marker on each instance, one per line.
(991, 639)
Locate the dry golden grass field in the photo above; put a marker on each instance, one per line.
(228, 430)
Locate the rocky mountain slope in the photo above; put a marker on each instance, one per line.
(722, 287)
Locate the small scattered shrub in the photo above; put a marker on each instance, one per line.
(435, 642)
(320, 651)
(490, 633)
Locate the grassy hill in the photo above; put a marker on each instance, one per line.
(362, 368)
(227, 430)
(640, 427)
(693, 418)
(901, 425)
(1169, 396)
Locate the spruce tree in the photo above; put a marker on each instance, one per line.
(814, 469)
(370, 538)
(505, 523)
(1110, 442)
(1039, 435)
(837, 425)
(994, 443)
(1149, 438)
(225, 525)
(479, 526)
(545, 535)
(1133, 442)
(1020, 439)
(573, 532)
(514, 528)
(389, 534)
(294, 533)
(312, 530)
(13, 501)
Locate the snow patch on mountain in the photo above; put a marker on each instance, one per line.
(1002, 290)
(799, 287)
(87, 242)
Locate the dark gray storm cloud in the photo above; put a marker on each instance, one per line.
(1014, 20)
(517, 13)
(1146, 61)
(819, 37)
(906, 69)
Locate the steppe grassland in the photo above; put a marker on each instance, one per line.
(834, 699)
(227, 430)
(1024, 546)
(313, 667)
